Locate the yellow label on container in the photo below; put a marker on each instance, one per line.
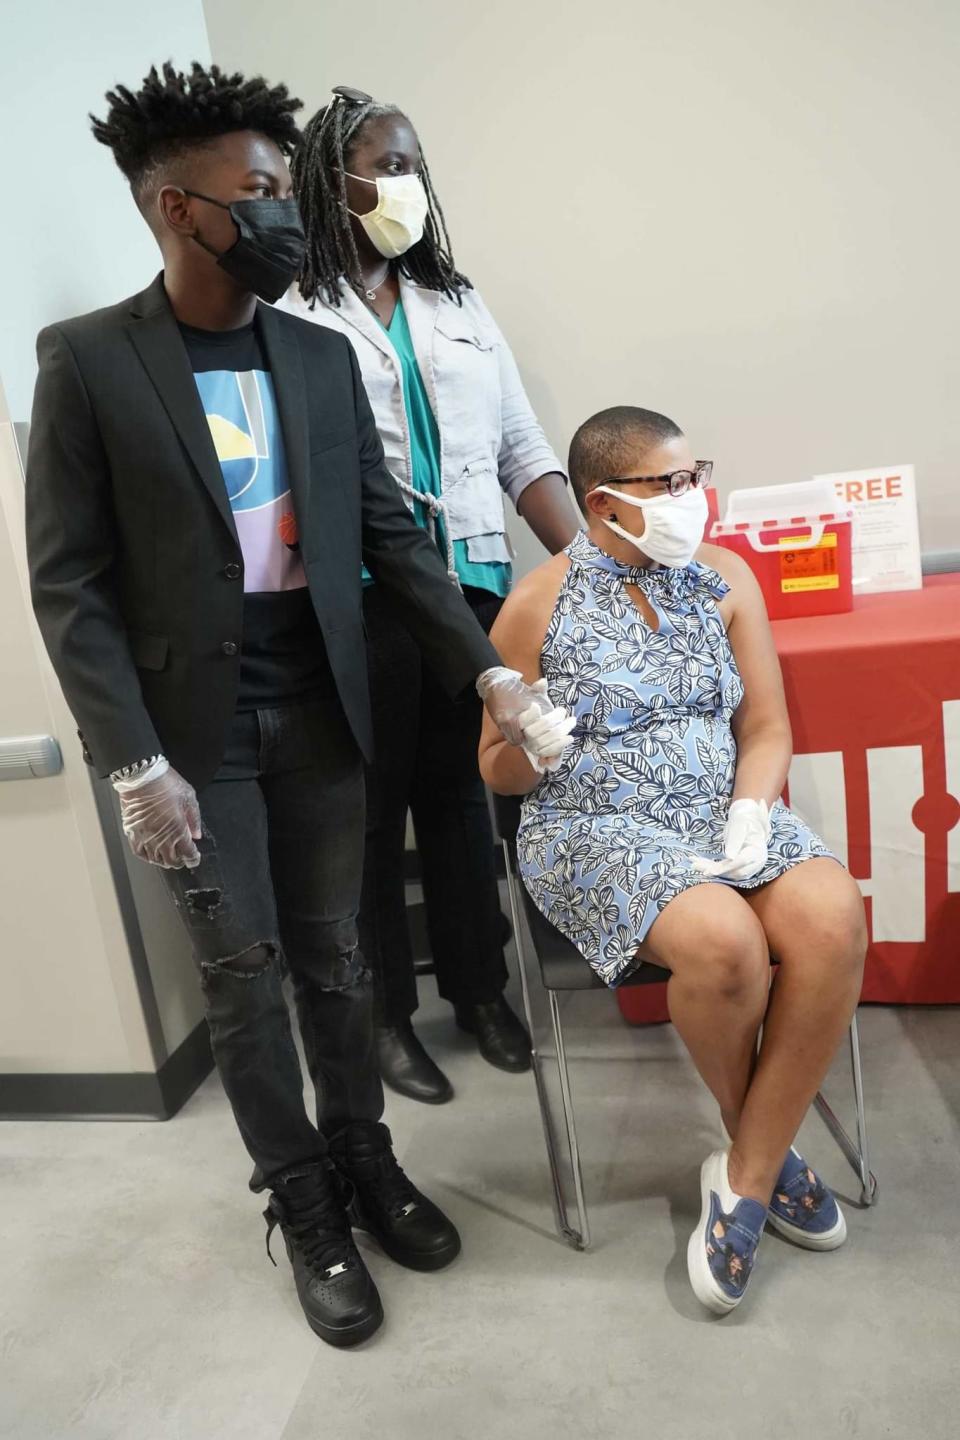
(808, 567)
(814, 582)
(796, 542)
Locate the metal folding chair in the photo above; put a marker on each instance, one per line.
(563, 968)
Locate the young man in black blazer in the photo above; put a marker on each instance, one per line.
(204, 481)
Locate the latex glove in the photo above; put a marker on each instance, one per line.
(746, 839)
(545, 736)
(507, 696)
(525, 715)
(161, 820)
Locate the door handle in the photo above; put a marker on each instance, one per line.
(29, 757)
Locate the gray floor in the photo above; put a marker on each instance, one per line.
(137, 1301)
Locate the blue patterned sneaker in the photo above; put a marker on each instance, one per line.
(803, 1209)
(722, 1249)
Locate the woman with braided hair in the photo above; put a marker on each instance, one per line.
(459, 433)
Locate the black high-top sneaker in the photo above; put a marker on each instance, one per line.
(410, 1228)
(336, 1290)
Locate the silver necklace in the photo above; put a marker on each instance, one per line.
(371, 294)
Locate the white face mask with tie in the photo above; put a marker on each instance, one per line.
(673, 524)
(396, 222)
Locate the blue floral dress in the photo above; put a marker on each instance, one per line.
(608, 839)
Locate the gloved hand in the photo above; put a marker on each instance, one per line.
(526, 716)
(545, 735)
(746, 838)
(161, 819)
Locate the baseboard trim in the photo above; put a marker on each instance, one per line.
(185, 1069)
(111, 1097)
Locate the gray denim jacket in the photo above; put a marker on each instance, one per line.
(491, 442)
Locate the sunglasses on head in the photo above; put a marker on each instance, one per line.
(353, 97)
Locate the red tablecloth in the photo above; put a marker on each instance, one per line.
(874, 700)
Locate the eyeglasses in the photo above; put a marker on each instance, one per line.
(678, 482)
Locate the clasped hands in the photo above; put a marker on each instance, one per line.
(526, 716)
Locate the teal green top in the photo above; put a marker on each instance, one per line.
(494, 575)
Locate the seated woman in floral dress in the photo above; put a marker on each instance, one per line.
(658, 835)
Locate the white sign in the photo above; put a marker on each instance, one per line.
(886, 538)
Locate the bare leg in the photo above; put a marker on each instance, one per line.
(814, 922)
(717, 943)
(717, 951)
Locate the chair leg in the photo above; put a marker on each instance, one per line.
(857, 1155)
(565, 1230)
(868, 1181)
(568, 1116)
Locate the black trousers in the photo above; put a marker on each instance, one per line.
(278, 885)
(426, 760)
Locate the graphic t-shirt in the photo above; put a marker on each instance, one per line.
(283, 658)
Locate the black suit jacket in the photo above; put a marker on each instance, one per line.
(135, 565)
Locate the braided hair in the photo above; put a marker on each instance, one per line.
(173, 113)
(318, 169)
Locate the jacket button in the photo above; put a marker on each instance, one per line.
(229, 647)
(232, 571)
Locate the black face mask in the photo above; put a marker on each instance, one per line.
(268, 254)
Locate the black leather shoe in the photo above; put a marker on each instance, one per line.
(336, 1290)
(501, 1038)
(384, 1203)
(407, 1068)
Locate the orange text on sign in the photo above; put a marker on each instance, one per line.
(880, 487)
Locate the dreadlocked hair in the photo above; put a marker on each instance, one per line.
(173, 113)
(318, 167)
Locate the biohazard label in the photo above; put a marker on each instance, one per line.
(812, 568)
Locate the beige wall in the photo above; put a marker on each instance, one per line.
(745, 215)
(70, 1001)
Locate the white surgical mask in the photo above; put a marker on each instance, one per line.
(673, 524)
(396, 221)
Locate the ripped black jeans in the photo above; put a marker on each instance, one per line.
(280, 881)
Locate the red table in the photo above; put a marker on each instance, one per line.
(874, 700)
